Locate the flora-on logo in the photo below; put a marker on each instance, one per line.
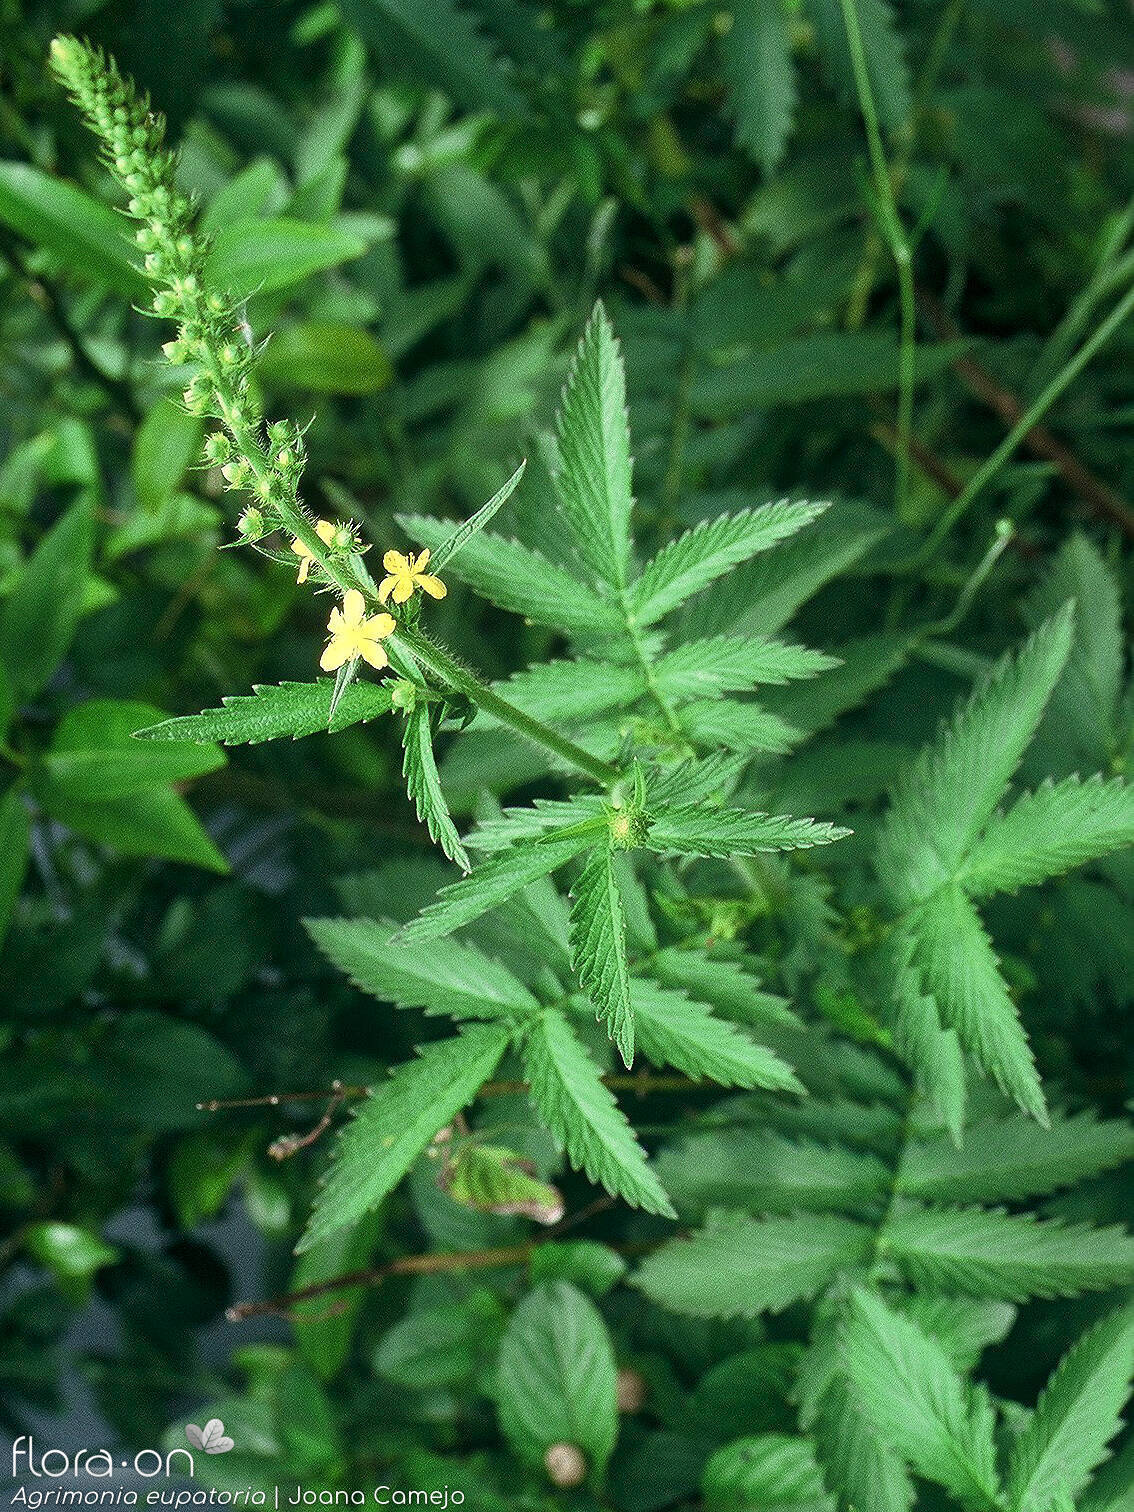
(211, 1438)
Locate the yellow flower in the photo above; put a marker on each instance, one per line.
(406, 574)
(353, 634)
(325, 531)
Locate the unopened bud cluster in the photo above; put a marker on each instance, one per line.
(267, 461)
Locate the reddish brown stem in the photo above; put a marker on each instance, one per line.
(1097, 495)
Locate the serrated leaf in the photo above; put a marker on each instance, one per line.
(1006, 1159)
(960, 970)
(396, 1122)
(568, 1094)
(932, 1051)
(734, 664)
(271, 712)
(694, 780)
(760, 1171)
(1077, 1415)
(1078, 727)
(722, 983)
(955, 783)
(520, 579)
(710, 549)
(759, 71)
(451, 978)
(988, 1253)
(705, 830)
(424, 786)
(556, 1381)
(594, 476)
(918, 1403)
(760, 596)
(738, 1266)
(598, 947)
(676, 1031)
(489, 885)
(1049, 831)
(570, 690)
(545, 818)
(864, 1470)
(742, 727)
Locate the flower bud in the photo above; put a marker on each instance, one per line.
(251, 524)
(199, 395)
(218, 448)
(343, 538)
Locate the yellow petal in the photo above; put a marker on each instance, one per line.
(300, 549)
(394, 561)
(421, 560)
(386, 587)
(325, 530)
(378, 626)
(335, 624)
(354, 608)
(403, 589)
(432, 585)
(336, 653)
(304, 569)
(372, 652)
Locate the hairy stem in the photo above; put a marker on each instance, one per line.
(448, 669)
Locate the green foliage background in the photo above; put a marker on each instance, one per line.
(420, 204)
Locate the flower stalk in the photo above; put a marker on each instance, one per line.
(264, 459)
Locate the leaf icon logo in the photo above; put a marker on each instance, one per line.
(211, 1438)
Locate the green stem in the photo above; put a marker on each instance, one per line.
(868, 268)
(1115, 268)
(427, 652)
(1027, 420)
(446, 667)
(890, 225)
